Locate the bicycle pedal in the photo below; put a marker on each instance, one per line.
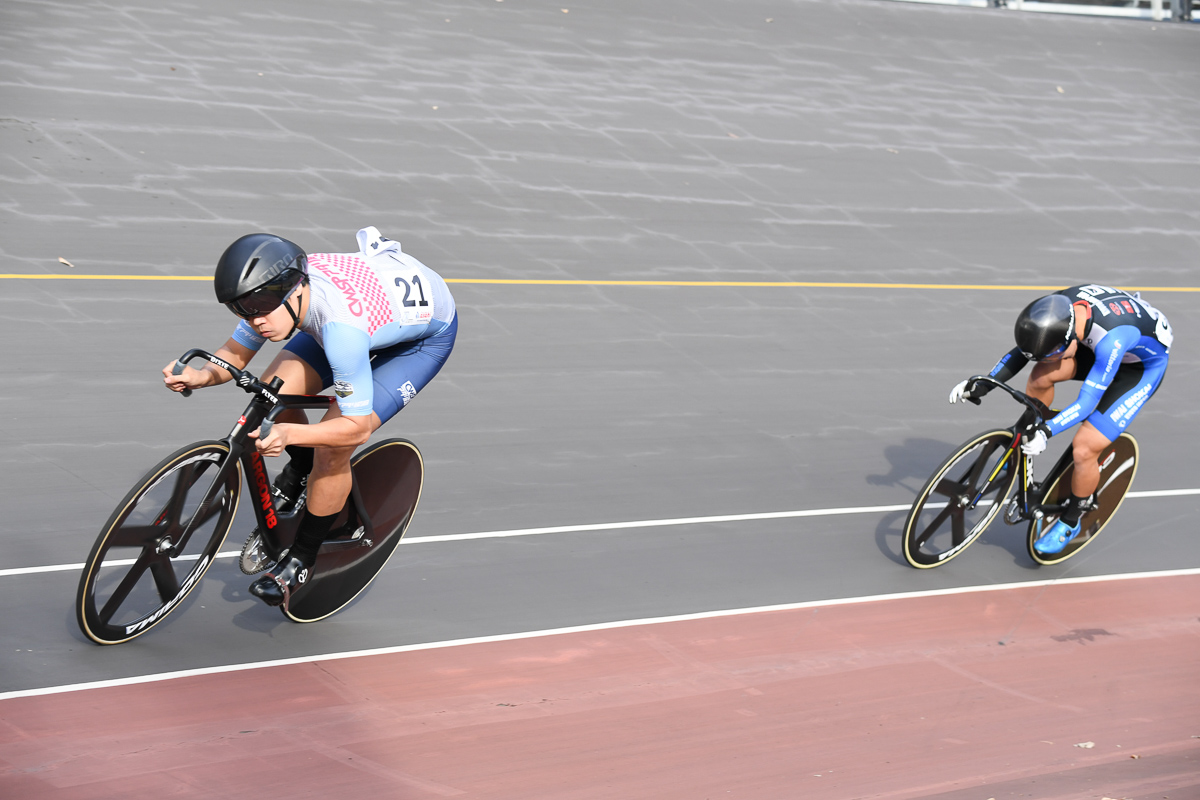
(360, 538)
(276, 588)
(344, 541)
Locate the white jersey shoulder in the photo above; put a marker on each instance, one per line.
(381, 290)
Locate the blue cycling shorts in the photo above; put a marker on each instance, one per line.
(398, 372)
(1131, 387)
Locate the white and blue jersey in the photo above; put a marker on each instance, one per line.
(379, 325)
(1121, 359)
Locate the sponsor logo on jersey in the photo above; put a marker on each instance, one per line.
(353, 303)
(1068, 415)
(343, 388)
(1092, 294)
(1131, 404)
(1112, 357)
(407, 393)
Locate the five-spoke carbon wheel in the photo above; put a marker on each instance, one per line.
(157, 544)
(961, 499)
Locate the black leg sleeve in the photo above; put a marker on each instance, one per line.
(313, 530)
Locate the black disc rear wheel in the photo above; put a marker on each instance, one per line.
(1118, 465)
(960, 500)
(137, 573)
(389, 476)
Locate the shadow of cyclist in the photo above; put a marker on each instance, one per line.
(912, 462)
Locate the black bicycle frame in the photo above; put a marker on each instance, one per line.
(1036, 413)
(265, 407)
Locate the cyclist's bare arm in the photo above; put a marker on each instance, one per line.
(334, 431)
(209, 374)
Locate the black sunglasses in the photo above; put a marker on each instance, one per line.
(264, 299)
(1062, 348)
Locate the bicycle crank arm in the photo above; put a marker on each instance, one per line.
(357, 539)
(1054, 510)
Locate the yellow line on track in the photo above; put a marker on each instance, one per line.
(708, 284)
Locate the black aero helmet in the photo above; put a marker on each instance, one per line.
(1046, 327)
(257, 272)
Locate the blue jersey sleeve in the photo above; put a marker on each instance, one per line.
(349, 352)
(244, 335)
(1109, 352)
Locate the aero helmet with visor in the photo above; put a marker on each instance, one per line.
(1046, 327)
(257, 273)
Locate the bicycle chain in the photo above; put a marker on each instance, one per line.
(254, 557)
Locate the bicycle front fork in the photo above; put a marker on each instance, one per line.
(1019, 508)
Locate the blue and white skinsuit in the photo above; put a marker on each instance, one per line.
(379, 326)
(1121, 360)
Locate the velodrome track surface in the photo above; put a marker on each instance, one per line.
(928, 152)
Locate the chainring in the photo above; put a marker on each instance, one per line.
(255, 558)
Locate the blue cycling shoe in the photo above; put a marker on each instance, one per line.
(1057, 537)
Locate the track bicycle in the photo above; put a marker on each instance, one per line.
(964, 494)
(166, 532)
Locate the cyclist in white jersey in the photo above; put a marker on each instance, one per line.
(376, 325)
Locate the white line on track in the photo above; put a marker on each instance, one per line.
(601, 626)
(602, 526)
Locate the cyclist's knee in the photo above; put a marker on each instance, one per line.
(328, 460)
(1088, 444)
(1040, 382)
(298, 376)
(295, 416)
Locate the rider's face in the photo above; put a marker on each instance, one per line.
(278, 324)
(1068, 353)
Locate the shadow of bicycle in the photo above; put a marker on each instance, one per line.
(912, 462)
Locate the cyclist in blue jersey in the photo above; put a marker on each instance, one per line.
(1113, 341)
(376, 325)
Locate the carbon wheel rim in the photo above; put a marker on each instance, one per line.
(960, 500)
(131, 580)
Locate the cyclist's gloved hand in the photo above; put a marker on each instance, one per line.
(971, 392)
(1036, 437)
